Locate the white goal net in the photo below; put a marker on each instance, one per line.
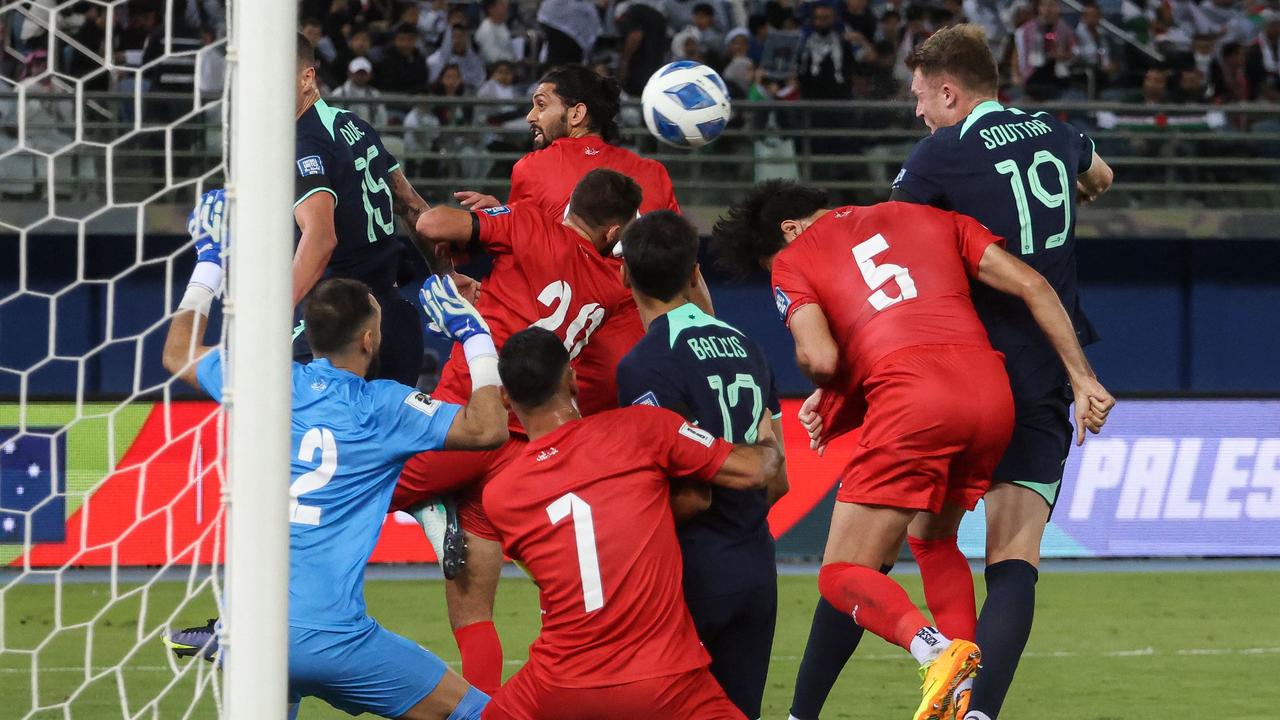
(113, 509)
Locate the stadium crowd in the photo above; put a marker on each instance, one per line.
(1216, 51)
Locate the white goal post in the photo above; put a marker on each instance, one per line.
(261, 56)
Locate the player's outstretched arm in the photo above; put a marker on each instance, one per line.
(184, 346)
(409, 206)
(446, 225)
(314, 216)
(816, 351)
(1094, 181)
(1008, 274)
(756, 466)
(482, 423)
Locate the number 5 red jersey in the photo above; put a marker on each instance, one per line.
(585, 509)
(887, 276)
(544, 274)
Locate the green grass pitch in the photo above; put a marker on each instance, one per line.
(1128, 646)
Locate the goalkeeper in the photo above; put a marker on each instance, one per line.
(348, 191)
(350, 438)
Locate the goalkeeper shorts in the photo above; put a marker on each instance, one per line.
(369, 670)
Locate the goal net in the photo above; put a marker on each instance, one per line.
(113, 506)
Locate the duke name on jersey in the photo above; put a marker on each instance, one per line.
(339, 153)
(350, 439)
(717, 377)
(1016, 174)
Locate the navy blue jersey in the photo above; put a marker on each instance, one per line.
(1016, 174)
(339, 153)
(717, 378)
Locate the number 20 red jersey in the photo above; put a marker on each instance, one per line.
(544, 274)
(585, 509)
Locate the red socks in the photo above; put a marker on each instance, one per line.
(875, 602)
(481, 655)
(948, 586)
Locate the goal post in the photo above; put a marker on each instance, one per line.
(262, 58)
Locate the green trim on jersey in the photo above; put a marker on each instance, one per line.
(393, 168)
(328, 115)
(982, 108)
(313, 191)
(689, 316)
(1048, 491)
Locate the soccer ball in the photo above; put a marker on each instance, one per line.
(685, 104)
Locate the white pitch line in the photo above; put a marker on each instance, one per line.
(896, 657)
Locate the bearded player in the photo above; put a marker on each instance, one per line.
(877, 299)
(554, 274)
(617, 640)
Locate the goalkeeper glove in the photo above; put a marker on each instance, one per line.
(450, 315)
(207, 228)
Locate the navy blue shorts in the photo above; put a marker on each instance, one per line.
(400, 357)
(737, 630)
(1042, 427)
(371, 670)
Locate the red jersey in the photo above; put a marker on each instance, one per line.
(544, 274)
(585, 510)
(887, 277)
(547, 178)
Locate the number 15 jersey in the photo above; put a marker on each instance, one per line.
(887, 276)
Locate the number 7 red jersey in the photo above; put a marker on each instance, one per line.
(887, 276)
(585, 509)
(544, 274)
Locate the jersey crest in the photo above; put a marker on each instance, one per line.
(310, 165)
(782, 301)
(647, 399)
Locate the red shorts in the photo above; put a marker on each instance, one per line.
(938, 420)
(462, 473)
(694, 695)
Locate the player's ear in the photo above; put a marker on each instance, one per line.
(790, 229)
(506, 399)
(696, 279)
(578, 115)
(571, 382)
(626, 275)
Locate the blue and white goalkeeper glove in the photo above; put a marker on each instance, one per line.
(207, 227)
(450, 315)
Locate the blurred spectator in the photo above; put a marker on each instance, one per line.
(739, 72)
(858, 18)
(699, 40)
(571, 28)
(643, 34)
(758, 26)
(459, 52)
(1169, 37)
(1191, 87)
(1093, 46)
(359, 94)
(890, 28)
(1261, 67)
(1234, 85)
(680, 13)
(915, 32)
(433, 22)
(144, 16)
(92, 36)
(450, 84)
(1221, 18)
(493, 36)
(1046, 46)
(359, 44)
(826, 59)
(313, 30)
(500, 86)
(987, 14)
(1155, 87)
(403, 69)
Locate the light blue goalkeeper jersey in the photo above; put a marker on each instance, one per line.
(350, 439)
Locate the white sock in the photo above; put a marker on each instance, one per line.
(975, 715)
(966, 684)
(928, 644)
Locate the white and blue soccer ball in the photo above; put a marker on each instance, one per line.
(686, 104)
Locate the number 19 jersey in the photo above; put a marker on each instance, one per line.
(585, 509)
(1015, 173)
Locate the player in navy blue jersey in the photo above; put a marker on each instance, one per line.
(348, 192)
(715, 376)
(1020, 174)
